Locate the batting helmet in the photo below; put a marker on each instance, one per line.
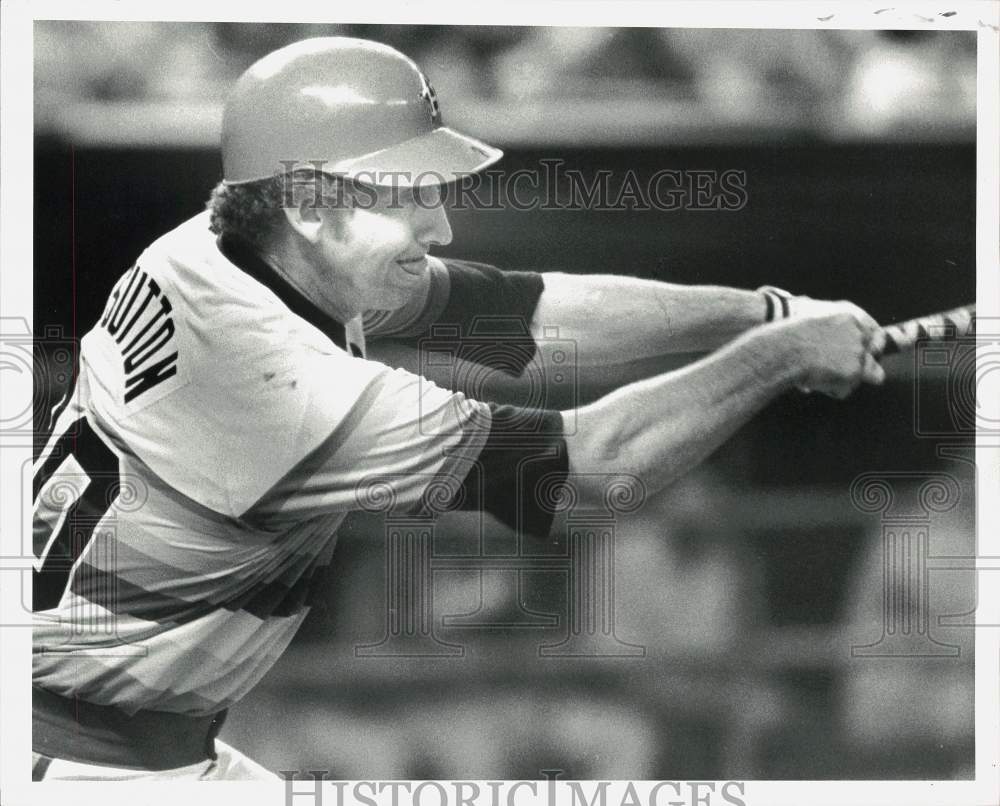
(362, 109)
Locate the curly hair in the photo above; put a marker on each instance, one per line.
(253, 210)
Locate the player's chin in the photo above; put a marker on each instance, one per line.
(398, 293)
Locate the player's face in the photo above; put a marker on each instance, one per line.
(377, 252)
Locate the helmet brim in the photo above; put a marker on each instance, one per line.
(438, 157)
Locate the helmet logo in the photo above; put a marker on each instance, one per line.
(427, 94)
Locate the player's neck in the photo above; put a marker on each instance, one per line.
(299, 272)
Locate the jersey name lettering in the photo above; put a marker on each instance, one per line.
(137, 317)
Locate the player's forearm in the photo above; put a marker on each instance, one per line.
(660, 428)
(614, 319)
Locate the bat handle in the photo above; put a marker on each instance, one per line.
(947, 326)
(890, 347)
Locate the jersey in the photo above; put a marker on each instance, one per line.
(221, 428)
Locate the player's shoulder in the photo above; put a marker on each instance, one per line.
(184, 313)
(208, 377)
(221, 306)
(188, 259)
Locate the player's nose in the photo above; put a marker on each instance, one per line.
(433, 226)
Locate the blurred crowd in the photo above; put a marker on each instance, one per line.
(869, 81)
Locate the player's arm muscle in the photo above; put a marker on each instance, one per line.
(613, 318)
(660, 428)
(621, 328)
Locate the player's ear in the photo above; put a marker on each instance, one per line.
(306, 219)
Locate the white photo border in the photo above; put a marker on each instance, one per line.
(16, 18)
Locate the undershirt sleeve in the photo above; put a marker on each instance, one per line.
(486, 312)
(522, 461)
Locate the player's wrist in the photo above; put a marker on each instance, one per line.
(777, 303)
(777, 356)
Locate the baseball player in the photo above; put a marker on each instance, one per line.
(226, 417)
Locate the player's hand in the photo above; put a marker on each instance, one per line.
(789, 306)
(835, 344)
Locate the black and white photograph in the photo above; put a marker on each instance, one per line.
(587, 404)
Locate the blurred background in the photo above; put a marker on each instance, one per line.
(748, 583)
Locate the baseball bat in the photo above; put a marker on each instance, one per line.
(952, 325)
